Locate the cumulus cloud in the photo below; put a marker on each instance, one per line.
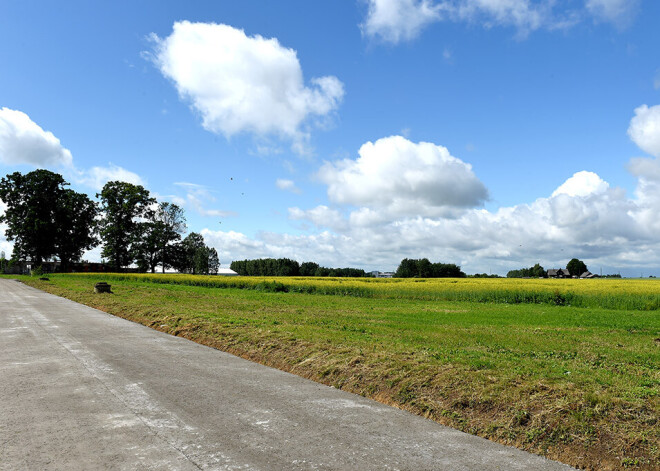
(582, 184)
(22, 141)
(401, 20)
(401, 177)
(367, 226)
(287, 185)
(97, 177)
(594, 222)
(240, 83)
(644, 129)
(397, 20)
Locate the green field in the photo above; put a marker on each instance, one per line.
(577, 384)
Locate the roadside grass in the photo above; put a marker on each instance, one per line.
(581, 385)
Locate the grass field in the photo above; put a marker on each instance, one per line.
(565, 368)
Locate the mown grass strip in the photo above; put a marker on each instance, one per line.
(576, 384)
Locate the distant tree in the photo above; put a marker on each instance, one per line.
(447, 270)
(194, 261)
(191, 255)
(163, 228)
(3, 262)
(576, 267)
(213, 262)
(322, 271)
(537, 271)
(407, 268)
(45, 219)
(422, 268)
(308, 268)
(125, 208)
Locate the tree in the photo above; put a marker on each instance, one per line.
(308, 268)
(422, 268)
(214, 262)
(576, 267)
(407, 268)
(173, 223)
(537, 271)
(77, 227)
(192, 255)
(163, 228)
(45, 219)
(125, 207)
(30, 216)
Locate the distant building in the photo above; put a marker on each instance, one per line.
(382, 274)
(588, 274)
(559, 273)
(226, 272)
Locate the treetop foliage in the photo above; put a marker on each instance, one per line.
(423, 268)
(537, 271)
(44, 219)
(576, 267)
(288, 267)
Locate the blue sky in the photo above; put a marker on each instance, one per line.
(490, 133)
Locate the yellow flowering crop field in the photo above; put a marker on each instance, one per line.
(633, 294)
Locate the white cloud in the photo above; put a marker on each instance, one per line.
(401, 177)
(321, 216)
(522, 14)
(601, 226)
(619, 12)
(584, 217)
(22, 141)
(403, 20)
(287, 185)
(582, 184)
(198, 197)
(241, 83)
(97, 177)
(397, 20)
(644, 129)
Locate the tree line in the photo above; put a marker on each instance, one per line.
(423, 268)
(575, 267)
(288, 267)
(48, 221)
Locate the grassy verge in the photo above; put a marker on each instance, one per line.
(580, 385)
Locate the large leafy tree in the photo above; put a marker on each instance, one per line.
(30, 216)
(159, 233)
(77, 230)
(126, 208)
(45, 219)
(576, 267)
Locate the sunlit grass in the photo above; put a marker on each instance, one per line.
(579, 384)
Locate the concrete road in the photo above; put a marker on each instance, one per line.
(81, 389)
